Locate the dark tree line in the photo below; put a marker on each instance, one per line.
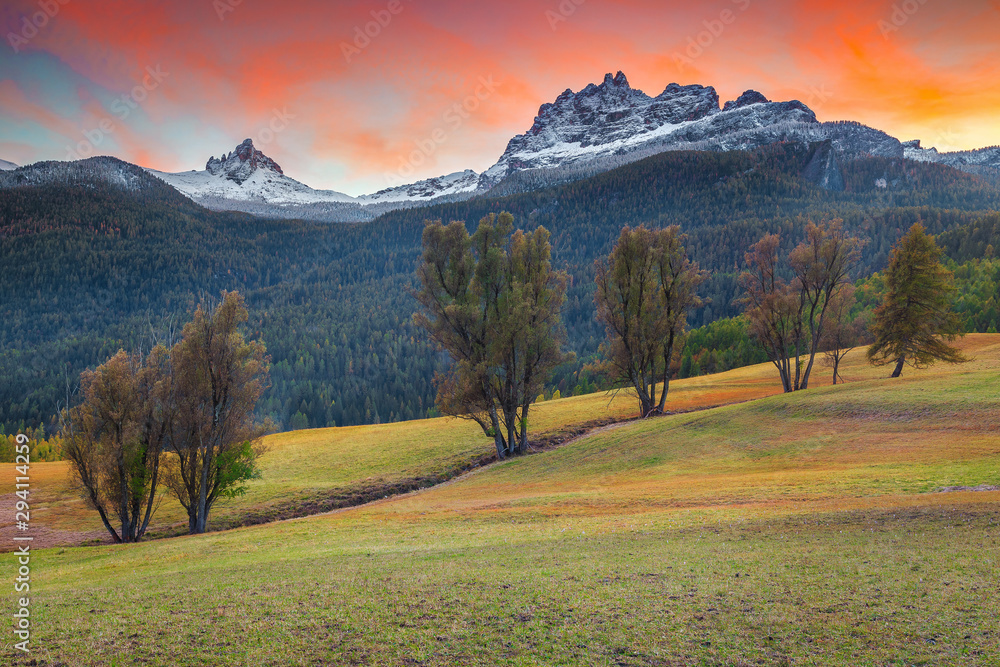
(90, 269)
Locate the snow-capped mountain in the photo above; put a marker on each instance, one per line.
(984, 161)
(578, 135)
(247, 175)
(614, 120)
(248, 180)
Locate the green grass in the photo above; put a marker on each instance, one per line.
(792, 530)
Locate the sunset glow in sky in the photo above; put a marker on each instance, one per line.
(167, 84)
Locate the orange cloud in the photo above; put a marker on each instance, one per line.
(361, 101)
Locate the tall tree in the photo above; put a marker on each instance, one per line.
(916, 320)
(114, 439)
(218, 377)
(493, 302)
(645, 289)
(788, 317)
(772, 309)
(821, 264)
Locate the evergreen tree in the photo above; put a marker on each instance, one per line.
(915, 319)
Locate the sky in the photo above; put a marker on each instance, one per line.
(359, 96)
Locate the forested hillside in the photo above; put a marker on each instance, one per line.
(88, 268)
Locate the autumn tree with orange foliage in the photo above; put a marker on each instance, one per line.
(788, 316)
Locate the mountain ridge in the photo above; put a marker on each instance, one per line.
(579, 134)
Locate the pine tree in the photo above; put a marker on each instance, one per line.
(916, 318)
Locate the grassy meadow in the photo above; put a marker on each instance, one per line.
(305, 472)
(791, 530)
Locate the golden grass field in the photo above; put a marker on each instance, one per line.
(304, 468)
(792, 530)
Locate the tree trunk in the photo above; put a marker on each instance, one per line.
(497, 435)
(836, 368)
(524, 429)
(208, 459)
(668, 353)
(107, 523)
(899, 367)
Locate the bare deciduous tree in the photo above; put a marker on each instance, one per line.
(842, 333)
(788, 317)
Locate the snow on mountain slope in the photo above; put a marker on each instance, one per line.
(983, 161)
(247, 180)
(247, 175)
(459, 183)
(614, 120)
(576, 136)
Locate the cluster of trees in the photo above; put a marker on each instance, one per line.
(718, 347)
(182, 417)
(815, 310)
(43, 447)
(493, 301)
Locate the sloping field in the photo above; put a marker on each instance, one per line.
(793, 530)
(306, 472)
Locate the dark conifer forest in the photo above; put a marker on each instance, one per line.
(90, 268)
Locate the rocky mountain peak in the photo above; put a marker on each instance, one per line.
(239, 165)
(746, 99)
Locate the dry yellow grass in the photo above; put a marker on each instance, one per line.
(303, 468)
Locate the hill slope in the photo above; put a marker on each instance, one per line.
(798, 529)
